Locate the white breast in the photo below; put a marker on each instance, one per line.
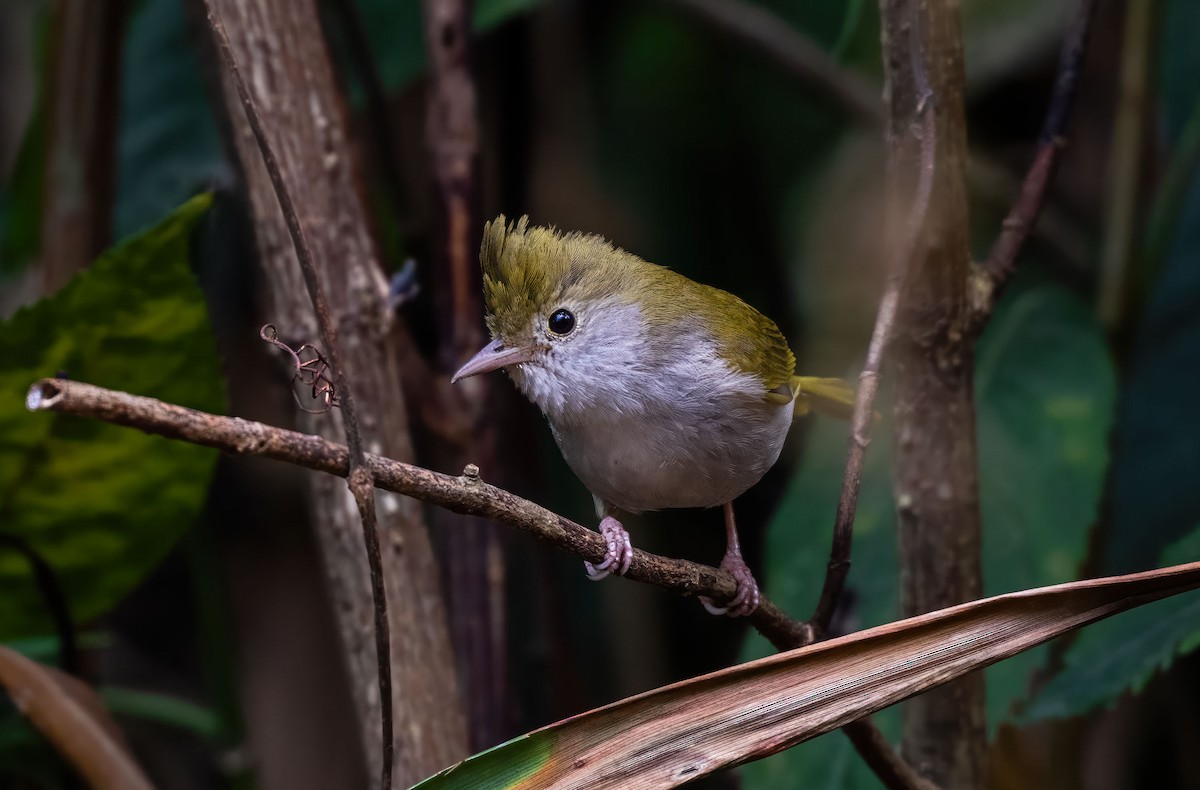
(646, 425)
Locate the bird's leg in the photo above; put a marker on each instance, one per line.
(745, 600)
(619, 554)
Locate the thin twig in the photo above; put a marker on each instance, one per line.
(989, 280)
(796, 55)
(882, 759)
(52, 595)
(466, 494)
(885, 320)
(358, 472)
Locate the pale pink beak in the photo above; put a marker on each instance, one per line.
(491, 357)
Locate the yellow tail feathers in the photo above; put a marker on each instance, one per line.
(831, 397)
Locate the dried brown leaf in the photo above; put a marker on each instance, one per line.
(677, 733)
(73, 719)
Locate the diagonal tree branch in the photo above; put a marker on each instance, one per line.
(989, 279)
(358, 473)
(864, 401)
(797, 55)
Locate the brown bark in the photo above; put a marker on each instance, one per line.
(81, 115)
(472, 553)
(279, 48)
(936, 485)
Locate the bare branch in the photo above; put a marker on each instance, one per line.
(466, 494)
(358, 472)
(885, 321)
(989, 280)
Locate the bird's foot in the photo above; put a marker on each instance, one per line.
(745, 600)
(619, 554)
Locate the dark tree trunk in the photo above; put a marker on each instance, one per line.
(937, 485)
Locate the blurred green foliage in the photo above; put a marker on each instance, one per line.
(1123, 653)
(101, 503)
(167, 143)
(1155, 497)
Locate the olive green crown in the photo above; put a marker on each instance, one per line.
(530, 271)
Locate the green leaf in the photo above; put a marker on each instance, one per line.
(1123, 653)
(1155, 496)
(21, 199)
(103, 504)
(21, 194)
(489, 13)
(1045, 393)
(163, 709)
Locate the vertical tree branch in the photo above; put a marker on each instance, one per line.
(868, 381)
(85, 43)
(936, 467)
(472, 551)
(278, 47)
(993, 274)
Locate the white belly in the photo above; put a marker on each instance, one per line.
(657, 425)
(670, 459)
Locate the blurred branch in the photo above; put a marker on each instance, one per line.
(56, 602)
(452, 134)
(385, 142)
(797, 55)
(1124, 165)
(358, 473)
(74, 721)
(882, 759)
(988, 281)
(472, 554)
(81, 136)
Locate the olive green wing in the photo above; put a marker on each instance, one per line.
(750, 341)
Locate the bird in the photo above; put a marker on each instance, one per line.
(660, 392)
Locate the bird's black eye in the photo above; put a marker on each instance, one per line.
(562, 322)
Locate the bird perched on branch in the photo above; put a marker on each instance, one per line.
(660, 392)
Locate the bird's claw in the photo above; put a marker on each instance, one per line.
(746, 599)
(619, 554)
